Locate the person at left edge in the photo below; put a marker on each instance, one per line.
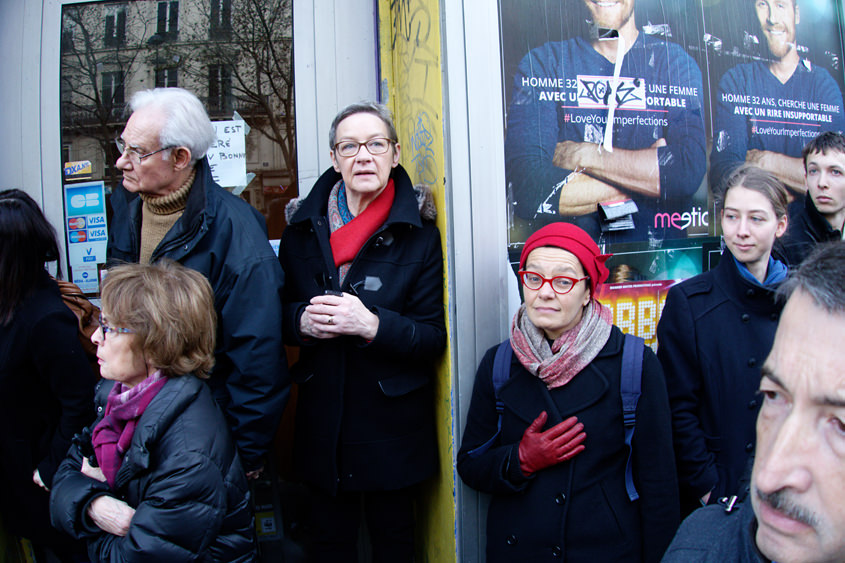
(364, 301)
(169, 206)
(46, 382)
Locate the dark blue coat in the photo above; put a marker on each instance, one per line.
(807, 228)
(578, 510)
(225, 239)
(714, 334)
(710, 535)
(182, 476)
(365, 411)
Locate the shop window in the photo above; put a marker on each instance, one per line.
(113, 48)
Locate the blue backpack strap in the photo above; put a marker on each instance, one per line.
(501, 373)
(631, 389)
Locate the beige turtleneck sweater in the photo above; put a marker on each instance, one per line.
(159, 214)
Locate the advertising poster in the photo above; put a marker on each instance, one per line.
(605, 118)
(776, 75)
(624, 116)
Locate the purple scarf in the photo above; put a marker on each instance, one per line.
(113, 434)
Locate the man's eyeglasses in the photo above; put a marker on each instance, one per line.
(379, 145)
(107, 329)
(134, 154)
(560, 284)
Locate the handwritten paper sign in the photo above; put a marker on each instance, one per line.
(227, 156)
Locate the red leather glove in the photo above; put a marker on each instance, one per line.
(539, 450)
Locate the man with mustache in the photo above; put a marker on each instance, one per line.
(767, 110)
(578, 137)
(797, 508)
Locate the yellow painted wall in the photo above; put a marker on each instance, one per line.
(410, 51)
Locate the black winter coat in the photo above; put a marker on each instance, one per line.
(578, 510)
(714, 334)
(46, 391)
(807, 228)
(225, 239)
(181, 474)
(710, 535)
(364, 415)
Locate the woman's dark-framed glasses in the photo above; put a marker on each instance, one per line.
(107, 329)
(379, 145)
(560, 284)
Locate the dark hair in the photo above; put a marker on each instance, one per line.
(756, 179)
(27, 241)
(821, 276)
(379, 110)
(829, 140)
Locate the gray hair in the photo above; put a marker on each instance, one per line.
(379, 110)
(186, 122)
(821, 276)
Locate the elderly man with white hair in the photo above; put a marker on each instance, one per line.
(169, 206)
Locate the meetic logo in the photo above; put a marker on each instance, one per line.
(681, 221)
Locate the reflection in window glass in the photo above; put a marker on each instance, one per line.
(166, 77)
(115, 34)
(236, 56)
(168, 19)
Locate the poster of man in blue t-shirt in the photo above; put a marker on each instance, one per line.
(766, 110)
(605, 129)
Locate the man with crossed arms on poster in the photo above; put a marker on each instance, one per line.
(562, 159)
(800, 101)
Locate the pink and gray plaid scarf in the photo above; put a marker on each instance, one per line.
(557, 364)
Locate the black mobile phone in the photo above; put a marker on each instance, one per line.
(333, 292)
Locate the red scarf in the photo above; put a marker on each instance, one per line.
(113, 434)
(346, 240)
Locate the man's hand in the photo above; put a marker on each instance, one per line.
(582, 193)
(789, 170)
(571, 155)
(111, 515)
(635, 170)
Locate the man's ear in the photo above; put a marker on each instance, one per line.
(181, 158)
